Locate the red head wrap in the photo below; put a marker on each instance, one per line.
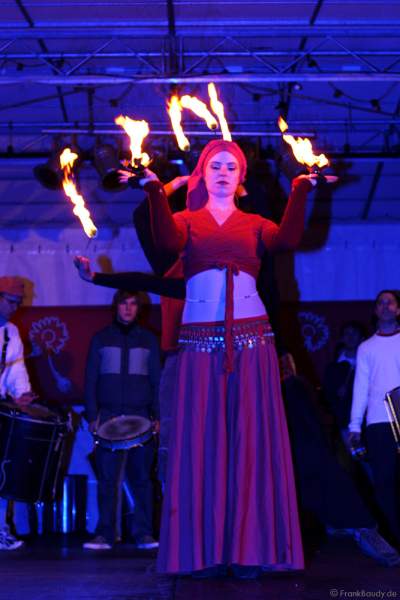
(197, 192)
(11, 285)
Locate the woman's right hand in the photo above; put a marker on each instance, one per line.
(82, 263)
(175, 184)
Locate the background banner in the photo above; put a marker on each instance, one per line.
(56, 340)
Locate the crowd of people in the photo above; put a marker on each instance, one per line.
(230, 502)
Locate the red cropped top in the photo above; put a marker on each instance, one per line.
(236, 245)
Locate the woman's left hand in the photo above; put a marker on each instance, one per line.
(313, 178)
(143, 177)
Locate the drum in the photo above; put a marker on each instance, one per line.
(124, 432)
(31, 449)
(393, 408)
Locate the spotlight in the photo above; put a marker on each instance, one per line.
(50, 174)
(297, 86)
(282, 107)
(106, 162)
(375, 104)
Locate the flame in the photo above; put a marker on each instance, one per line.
(218, 108)
(137, 131)
(67, 159)
(200, 109)
(302, 148)
(175, 114)
(283, 126)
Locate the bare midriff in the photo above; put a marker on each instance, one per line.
(206, 292)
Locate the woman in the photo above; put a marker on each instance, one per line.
(230, 496)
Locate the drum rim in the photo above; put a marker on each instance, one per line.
(28, 419)
(393, 390)
(124, 443)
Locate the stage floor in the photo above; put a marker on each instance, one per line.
(59, 569)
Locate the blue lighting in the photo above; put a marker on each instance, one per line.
(65, 508)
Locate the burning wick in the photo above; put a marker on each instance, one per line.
(218, 109)
(67, 159)
(200, 109)
(303, 150)
(175, 114)
(137, 131)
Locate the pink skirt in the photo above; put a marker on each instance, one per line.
(230, 496)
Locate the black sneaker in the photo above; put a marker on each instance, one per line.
(97, 543)
(8, 541)
(374, 545)
(146, 542)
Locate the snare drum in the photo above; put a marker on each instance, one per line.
(31, 448)
(393, 409)
(124, 432)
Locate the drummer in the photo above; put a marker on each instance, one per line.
(14, 380)
(122, 378)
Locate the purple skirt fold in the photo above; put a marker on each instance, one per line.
(230, 496)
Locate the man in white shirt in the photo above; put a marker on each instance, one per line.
(14, 380)
(378, 372)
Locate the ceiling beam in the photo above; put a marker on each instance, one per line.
(43, 79)
(202, 28)
(192, 54)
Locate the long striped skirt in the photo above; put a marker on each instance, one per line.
(229, 496)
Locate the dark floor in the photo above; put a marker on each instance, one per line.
(58, 569)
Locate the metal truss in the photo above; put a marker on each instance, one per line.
(89, 57)
(161, 58)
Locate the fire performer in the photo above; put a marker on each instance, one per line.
(230, 496)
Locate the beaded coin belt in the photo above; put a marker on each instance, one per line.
(210, 338)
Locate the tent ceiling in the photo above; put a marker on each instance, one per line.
(332, 67)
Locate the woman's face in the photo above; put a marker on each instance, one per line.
(222, 174)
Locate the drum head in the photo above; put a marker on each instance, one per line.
(32, 411)
(123, 428)
(395, 396)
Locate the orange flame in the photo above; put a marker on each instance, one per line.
(200, 109)
(302, 148)
(175, 114)
(67, 159)
(218, 108)
(137, 131)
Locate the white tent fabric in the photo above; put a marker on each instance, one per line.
(354, 264)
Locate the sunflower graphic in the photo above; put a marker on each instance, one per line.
(314, 330)
(48, 337)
